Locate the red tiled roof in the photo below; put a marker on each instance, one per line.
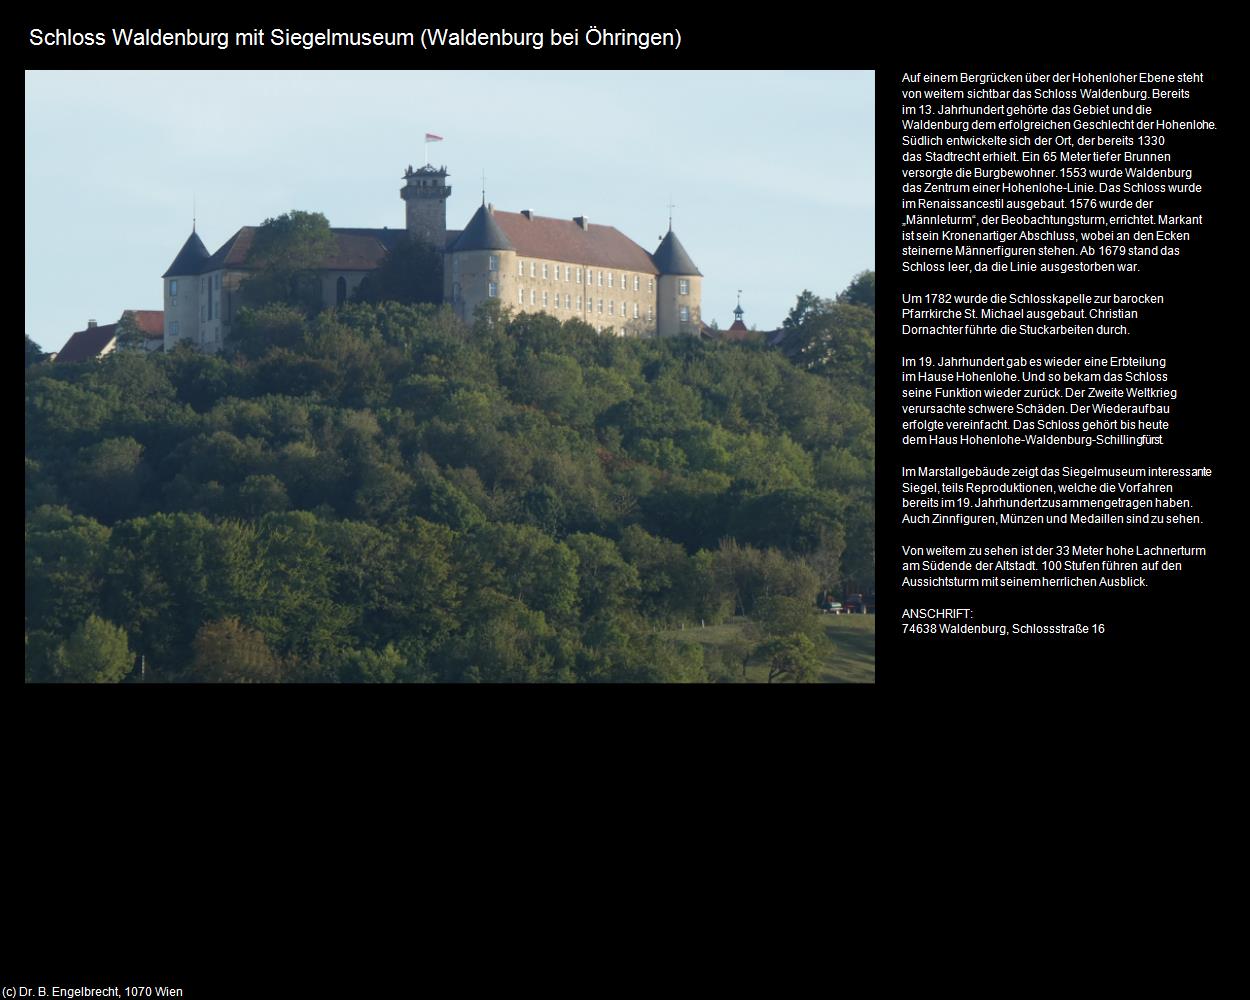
(564, 239)
(87, 344)
(738, 331)
(354, 251)
(151, 322)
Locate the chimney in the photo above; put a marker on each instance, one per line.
(582, 222)
(527, 213)
(90, 324)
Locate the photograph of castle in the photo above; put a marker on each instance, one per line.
(417, 378)
(766, 176)
(563, 267)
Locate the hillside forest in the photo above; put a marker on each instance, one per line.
(381, 493)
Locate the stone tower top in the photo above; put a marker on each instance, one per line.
(425, 193)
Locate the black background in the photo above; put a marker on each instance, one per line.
(116, 791)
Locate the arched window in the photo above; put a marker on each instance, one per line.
(340, 294)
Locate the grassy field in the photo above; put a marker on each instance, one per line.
(854, 658)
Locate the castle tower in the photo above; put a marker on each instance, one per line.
(182, 297)
(481, 265)
(679, 292)
(426, 192)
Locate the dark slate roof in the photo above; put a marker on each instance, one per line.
(482, 233)
(671, 257)
(86, 345)
(563, 239)
(355, 250)
(190, 258)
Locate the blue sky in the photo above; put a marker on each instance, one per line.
(771, 172)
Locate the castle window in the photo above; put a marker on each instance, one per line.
(557, 272)
(611, 308)
(683, 286)
(650, 284)
(609, 279)
(494, 263)
(601, 303)
(520, 269)
(544, 272)
(533, 269)
(635, 310)
(624, 281)
(492, 290)
(544, 300)
(533, 297)
(635, 282)
(579, 303)
(568, 300)
(173, 286)
(520, 296)
(685, 314)
(600, 276)
(173, 327)
(650, 312)
(579, 275)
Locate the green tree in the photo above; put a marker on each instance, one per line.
(862, 291)
(788, 658)
(285, 255)
(270, 325)
(833, 338)
(97, 652)
(229, 652)
(129, 336)
(412, 273)
(110, 478)
(34, 353)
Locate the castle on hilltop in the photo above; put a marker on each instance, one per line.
(568, 268)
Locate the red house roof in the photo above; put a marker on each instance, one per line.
(86, 345)
(564, 239)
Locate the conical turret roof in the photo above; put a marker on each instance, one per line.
(671, 257)
(190, 258)
(482, 233)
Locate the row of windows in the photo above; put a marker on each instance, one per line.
(568, 272)
(553, 301)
